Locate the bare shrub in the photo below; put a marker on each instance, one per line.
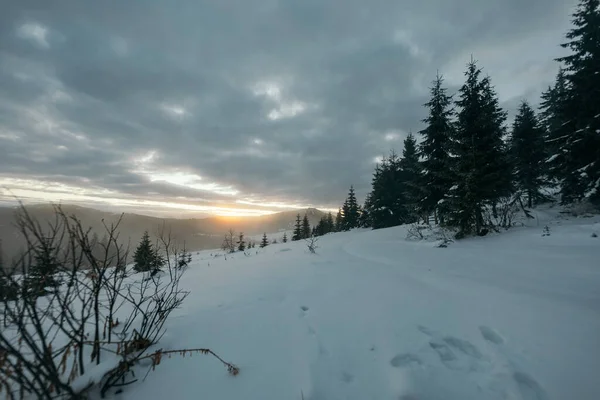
(416, 231)
(419, 232)
(311, 243)
(228, 244)
(88, 325)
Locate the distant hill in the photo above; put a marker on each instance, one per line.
(197, 233)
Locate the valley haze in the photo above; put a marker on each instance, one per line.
(196, 233)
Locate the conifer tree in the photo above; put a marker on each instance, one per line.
(555, 121)
(41, 278)
(411, 177)
(330, 223)
(528, 153)
(350, 210)
(387, 198)
(435, 151)
(297, 229)
(265, 242)
(9, 290)
(497, 175)
(285, 239)
(339, 221)
(184, 258)
(581, 167)
(241, 243)
(318, 229)
(306, 231)
(365, 214)
(145, 256)
(481, 166)
(345, 212)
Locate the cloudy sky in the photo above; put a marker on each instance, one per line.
(240, 106)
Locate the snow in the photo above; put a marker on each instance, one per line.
(95, 374)
(374, 316)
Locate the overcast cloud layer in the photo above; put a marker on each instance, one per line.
(254, 105)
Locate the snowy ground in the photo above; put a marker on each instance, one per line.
(373, 316)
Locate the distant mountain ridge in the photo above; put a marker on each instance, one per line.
(197, 233)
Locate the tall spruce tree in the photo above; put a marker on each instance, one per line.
(345, 212)
(555, 121)
(322, 228)
(435, 151)
(581, 166)
(306, 232)
(330, 223)
(480, 161)
(365, 214)
(497, 172)
(351, 211)
(387, 197)
(339, 221)
(297, 229)
(411, 177)
(528, 154)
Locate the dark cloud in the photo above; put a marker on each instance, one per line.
(285, 101)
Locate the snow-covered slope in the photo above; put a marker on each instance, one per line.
(373, 316)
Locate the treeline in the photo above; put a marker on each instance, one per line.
(303, 230)
(470, 169)
(237, 242)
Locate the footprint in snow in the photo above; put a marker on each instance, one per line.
(458, 354)
(491, 335)
(464, 346)
(405, 360)
(425, 330)
(303, 311)
(530, 389)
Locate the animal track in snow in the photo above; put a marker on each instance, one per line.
(491, 335)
